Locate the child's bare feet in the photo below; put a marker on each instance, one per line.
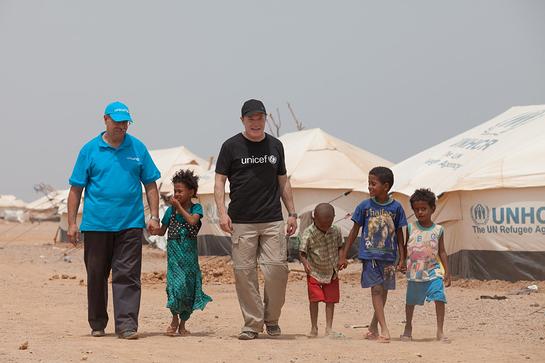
(371, 335)
(182, 330)
(173, 327)
(313, 332)
(407, 334)
(384, 336)
(442, 338)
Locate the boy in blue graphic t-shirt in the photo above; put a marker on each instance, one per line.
(381, 245)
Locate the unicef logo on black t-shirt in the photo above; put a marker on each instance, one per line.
(259, 159)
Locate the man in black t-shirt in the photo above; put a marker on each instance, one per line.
(254, 163)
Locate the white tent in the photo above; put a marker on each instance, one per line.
(12, 208)
(47, 207)
(491, 182)
(321, 168)
(170, 160)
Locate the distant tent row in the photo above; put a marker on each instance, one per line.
(45, 208)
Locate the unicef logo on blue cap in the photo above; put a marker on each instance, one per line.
(480, 214)
(118, 112)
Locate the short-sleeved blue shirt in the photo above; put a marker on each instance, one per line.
(380, 223)
(113, 180)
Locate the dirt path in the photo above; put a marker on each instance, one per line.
(50, 314)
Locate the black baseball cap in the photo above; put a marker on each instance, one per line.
(251, 107)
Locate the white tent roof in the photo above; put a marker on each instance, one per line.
(11, 201)
(170, 160)
(315, 159)
(53, 200)
(505, 152)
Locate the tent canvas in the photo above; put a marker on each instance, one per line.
(491, 183)
(170, 160)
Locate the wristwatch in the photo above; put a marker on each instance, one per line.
(154, 218)
(292, 215)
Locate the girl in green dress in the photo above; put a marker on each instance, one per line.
(184, 281)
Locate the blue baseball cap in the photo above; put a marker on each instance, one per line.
(118, 112)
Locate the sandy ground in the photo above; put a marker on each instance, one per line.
(43, 304)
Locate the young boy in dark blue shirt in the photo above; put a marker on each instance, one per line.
(381, 245)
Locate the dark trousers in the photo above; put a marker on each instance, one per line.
(120, 252)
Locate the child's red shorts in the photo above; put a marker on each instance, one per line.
(328, 293)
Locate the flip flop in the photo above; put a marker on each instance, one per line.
(405, 338)
(371, 336)
(382, 339)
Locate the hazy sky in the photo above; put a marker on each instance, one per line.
(392, 77)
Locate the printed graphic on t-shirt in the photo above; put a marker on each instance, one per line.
(271, 159)
(422, 250)
(380, 230)
(252, 169)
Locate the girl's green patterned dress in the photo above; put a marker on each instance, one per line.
(184, 279)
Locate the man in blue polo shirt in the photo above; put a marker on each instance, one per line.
(112, 168)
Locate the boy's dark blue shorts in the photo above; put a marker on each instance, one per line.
(378, 272)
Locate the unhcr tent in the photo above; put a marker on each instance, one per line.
(491, 186)
(321, 168)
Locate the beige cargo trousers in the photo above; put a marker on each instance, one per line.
(263, 243)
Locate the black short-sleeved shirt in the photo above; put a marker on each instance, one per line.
(253, 169)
